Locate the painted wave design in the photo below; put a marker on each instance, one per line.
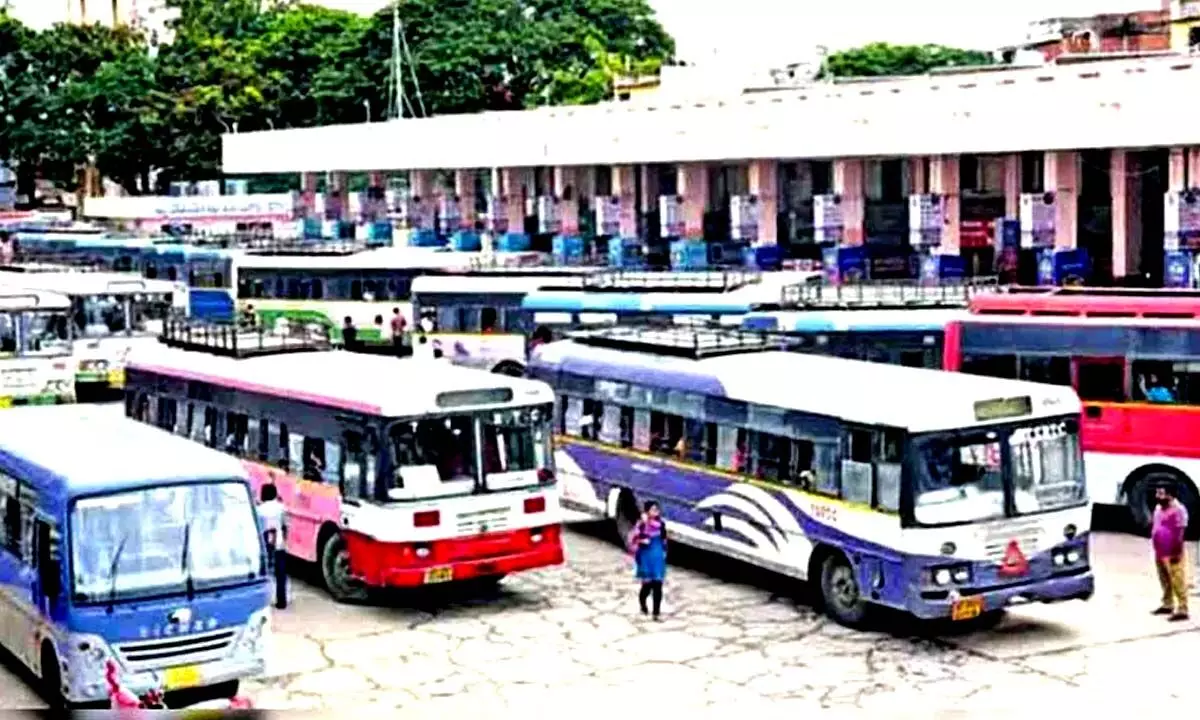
(762, 520)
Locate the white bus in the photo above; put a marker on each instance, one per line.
(36, 367)
(111, 313)
(366, 286)
(939, 494)
(395, 472)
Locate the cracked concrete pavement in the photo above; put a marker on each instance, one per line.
(561, 640)
(569, 639)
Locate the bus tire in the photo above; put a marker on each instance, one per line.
(841, 596)
(51, 678)
(1139, 496)
(626, 516)
(509, 369)
(335, 571)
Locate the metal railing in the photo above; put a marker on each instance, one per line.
(694, 342)
(27, 267)
(885, 294)
(671, 281)
(240, 341)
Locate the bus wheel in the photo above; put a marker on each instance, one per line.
(1140, 497)
(626, 516)
(335, 571)
(840, 593)
(52, 689)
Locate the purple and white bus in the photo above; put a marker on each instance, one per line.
(940, 494)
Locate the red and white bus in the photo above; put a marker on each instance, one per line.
(394, 472)
(1133, 356)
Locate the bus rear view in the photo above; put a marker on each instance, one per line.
(143, 550)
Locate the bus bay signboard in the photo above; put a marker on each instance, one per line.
(223, 207)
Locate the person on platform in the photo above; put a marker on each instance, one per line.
(648, 543)
(1167, 536)
(399, 328)
(271, 512)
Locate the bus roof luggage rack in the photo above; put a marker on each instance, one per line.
(696, 343)
(671, 280)
(885, 294)
(239, 341)
(20, 267)
(280, 246)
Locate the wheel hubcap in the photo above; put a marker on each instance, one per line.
(844, 587)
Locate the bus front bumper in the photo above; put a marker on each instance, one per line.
(1077, 586)
(381, 573)
(7, 401)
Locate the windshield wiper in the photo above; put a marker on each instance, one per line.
(184, 562)
(112, 572)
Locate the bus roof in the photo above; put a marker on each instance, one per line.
(1074, 322)
(817, 321)
(18, 298)
(369, 384)
(386, 258)
(90, 449)
(915, 399)
(90, 283)
(498, 285)
(1089, 302)
(766, 291)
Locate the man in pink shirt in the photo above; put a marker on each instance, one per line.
(1170, 525)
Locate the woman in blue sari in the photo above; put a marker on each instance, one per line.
(648, 543)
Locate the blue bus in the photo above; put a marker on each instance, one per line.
(914, 338)
(940, 494)
(124, 543)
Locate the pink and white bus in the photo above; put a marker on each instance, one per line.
(394, 472)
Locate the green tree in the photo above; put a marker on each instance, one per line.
(14, 63)
(882, 59)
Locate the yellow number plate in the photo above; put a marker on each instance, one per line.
(6, 402)
(178, 678)
(967, 608)
(439, 575)
(116, 378)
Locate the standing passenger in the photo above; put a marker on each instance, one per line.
(275, 534)
(648, 543)
(1170, 525)
(399, 326)
(349, 334)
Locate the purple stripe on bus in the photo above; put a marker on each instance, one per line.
(643, 370)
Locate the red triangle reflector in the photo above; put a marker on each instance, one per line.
(1014, 562)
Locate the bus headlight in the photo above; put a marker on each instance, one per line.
(950, 575)
(1072, 556)
(942, 577)
(87, 655)
(1062, 558)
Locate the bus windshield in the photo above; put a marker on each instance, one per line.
(46, 334)
(988, 474)
(106, 315)
(149, 543)
(516, 441)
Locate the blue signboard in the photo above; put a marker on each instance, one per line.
(1177, 269)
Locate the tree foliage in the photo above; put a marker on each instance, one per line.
(882, 59)
(146, 115)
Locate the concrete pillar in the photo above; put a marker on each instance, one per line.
(1062, 178)
(648, 202)
(512, 194)
(336, 202)
(566, 188)
(624, 188)
(1126, 220)
(918, 177)
(1012, 186)
(464, 190)
(1177, 168)
(586, 179)
(848, 182)
(1193, 162)
(308, 195)
(763, 176)
(693, 188)
(944, 180)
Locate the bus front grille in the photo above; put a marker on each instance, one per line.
(1027, 536)
(177, 650)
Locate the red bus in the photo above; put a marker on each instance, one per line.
(1133, 356)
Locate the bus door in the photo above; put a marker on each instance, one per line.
(1099, 382)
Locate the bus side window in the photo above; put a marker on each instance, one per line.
(626, 427)
(573, 416)
(999, 366)
(700, 441)
(9, 489)
(641, 431)
(281, 450)
(260, 433)
(332, 467)
(312, 452)
(488, 320)
(167, 411)
(1048, 370)
(731, 448)
(210, 430)
(353, 466)
(889, 463)
(857, 471)
(1100, 381)
(237, 434)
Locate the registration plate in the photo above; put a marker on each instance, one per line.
(179, 678)
(116, 378)
(439, 575)
(6, 402)
(967, 608)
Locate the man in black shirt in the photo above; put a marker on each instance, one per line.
(350, 334)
